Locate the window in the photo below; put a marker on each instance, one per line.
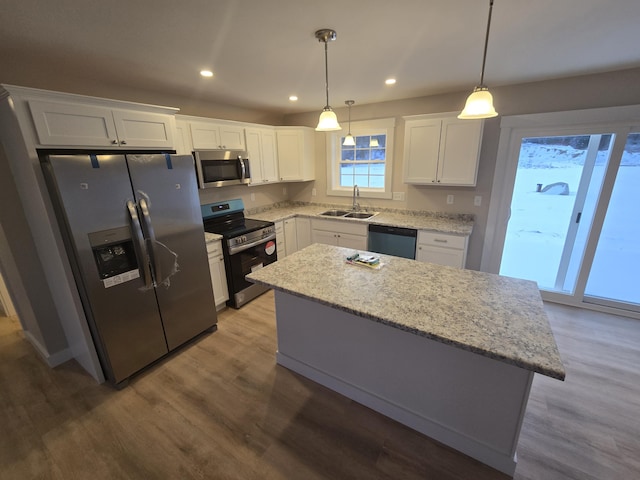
(367, 164)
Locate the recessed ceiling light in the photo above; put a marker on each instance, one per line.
(206, 73)
(390, 81)
(293, 98)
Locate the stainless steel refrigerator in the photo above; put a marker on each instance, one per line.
(132, 228)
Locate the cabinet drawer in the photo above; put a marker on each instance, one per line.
(340, 226)
(442, 240)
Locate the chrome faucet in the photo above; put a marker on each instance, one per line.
(356, 193)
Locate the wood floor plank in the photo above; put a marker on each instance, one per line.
(222, 409)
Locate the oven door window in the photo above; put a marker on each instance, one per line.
(247, 261)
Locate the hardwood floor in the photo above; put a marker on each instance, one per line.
(222, 409)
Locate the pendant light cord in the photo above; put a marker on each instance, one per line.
(486, 43)
(326, 72)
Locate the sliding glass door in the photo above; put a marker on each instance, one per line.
(556, 188)
(614, 277)
(574, 223)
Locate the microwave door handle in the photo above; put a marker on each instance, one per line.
(243, 169)
(138, 244)
(150, 235)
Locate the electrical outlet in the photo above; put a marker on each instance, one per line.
(284, 190)
(449, 199)
(398, 196)
(253, 197)
(477, 200)
(313, 192)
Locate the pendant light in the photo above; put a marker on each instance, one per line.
(480, 102)
(328, 120)
(349, 141)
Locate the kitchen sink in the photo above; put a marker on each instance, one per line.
(335, 213)
(360, 215)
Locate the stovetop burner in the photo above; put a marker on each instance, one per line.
(227, 219)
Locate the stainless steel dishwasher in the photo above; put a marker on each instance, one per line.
(397, 241)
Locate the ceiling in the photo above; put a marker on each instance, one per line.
(261, 52)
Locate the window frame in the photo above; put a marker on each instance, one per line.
(334, 154)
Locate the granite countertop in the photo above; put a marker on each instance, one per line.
(499, 317)
(461, 224)
(211, 237)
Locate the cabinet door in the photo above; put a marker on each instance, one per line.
(254, 150)
(73, 125)
(232, 137)
(442, 256)
(280, 239)
(303, 230)
(421, 150)
(183, 138)
(324, 237)
(218, 278)
(349, 240)
(290, 154)
(269, 156)
(143, 129)
(205, 135)
(290, 235)
(459, 151)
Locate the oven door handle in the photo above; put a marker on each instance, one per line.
(246, 246)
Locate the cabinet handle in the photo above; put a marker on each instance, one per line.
(438, 181)
(123, 142)
(114, 142)
(440, 240)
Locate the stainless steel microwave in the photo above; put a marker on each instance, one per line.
(219, 168)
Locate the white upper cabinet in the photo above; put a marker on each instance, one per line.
(183, 143)
(296, 153)
(76, 124)
(263, 155)
(441, 150)
(209, 135)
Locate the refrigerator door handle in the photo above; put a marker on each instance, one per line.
(150, 235)
(138, 244)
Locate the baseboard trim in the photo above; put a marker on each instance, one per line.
(53, 360)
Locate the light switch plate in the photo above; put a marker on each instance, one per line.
(477, 200)
(253, 197)
(313, 192)
(449, 199)
(398, 196)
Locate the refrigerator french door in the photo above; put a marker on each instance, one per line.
(133, 231)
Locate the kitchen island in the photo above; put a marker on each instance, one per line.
(450, 353)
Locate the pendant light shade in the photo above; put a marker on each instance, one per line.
(328, 120)
(479, 105)
(480, 102)
(349, 141)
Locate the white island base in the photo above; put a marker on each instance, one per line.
(467, 401)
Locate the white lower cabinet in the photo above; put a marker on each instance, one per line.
(218, 273)
(442, 248)
(290, 236)
(303, 232)
(341, 234)
(280, 239)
